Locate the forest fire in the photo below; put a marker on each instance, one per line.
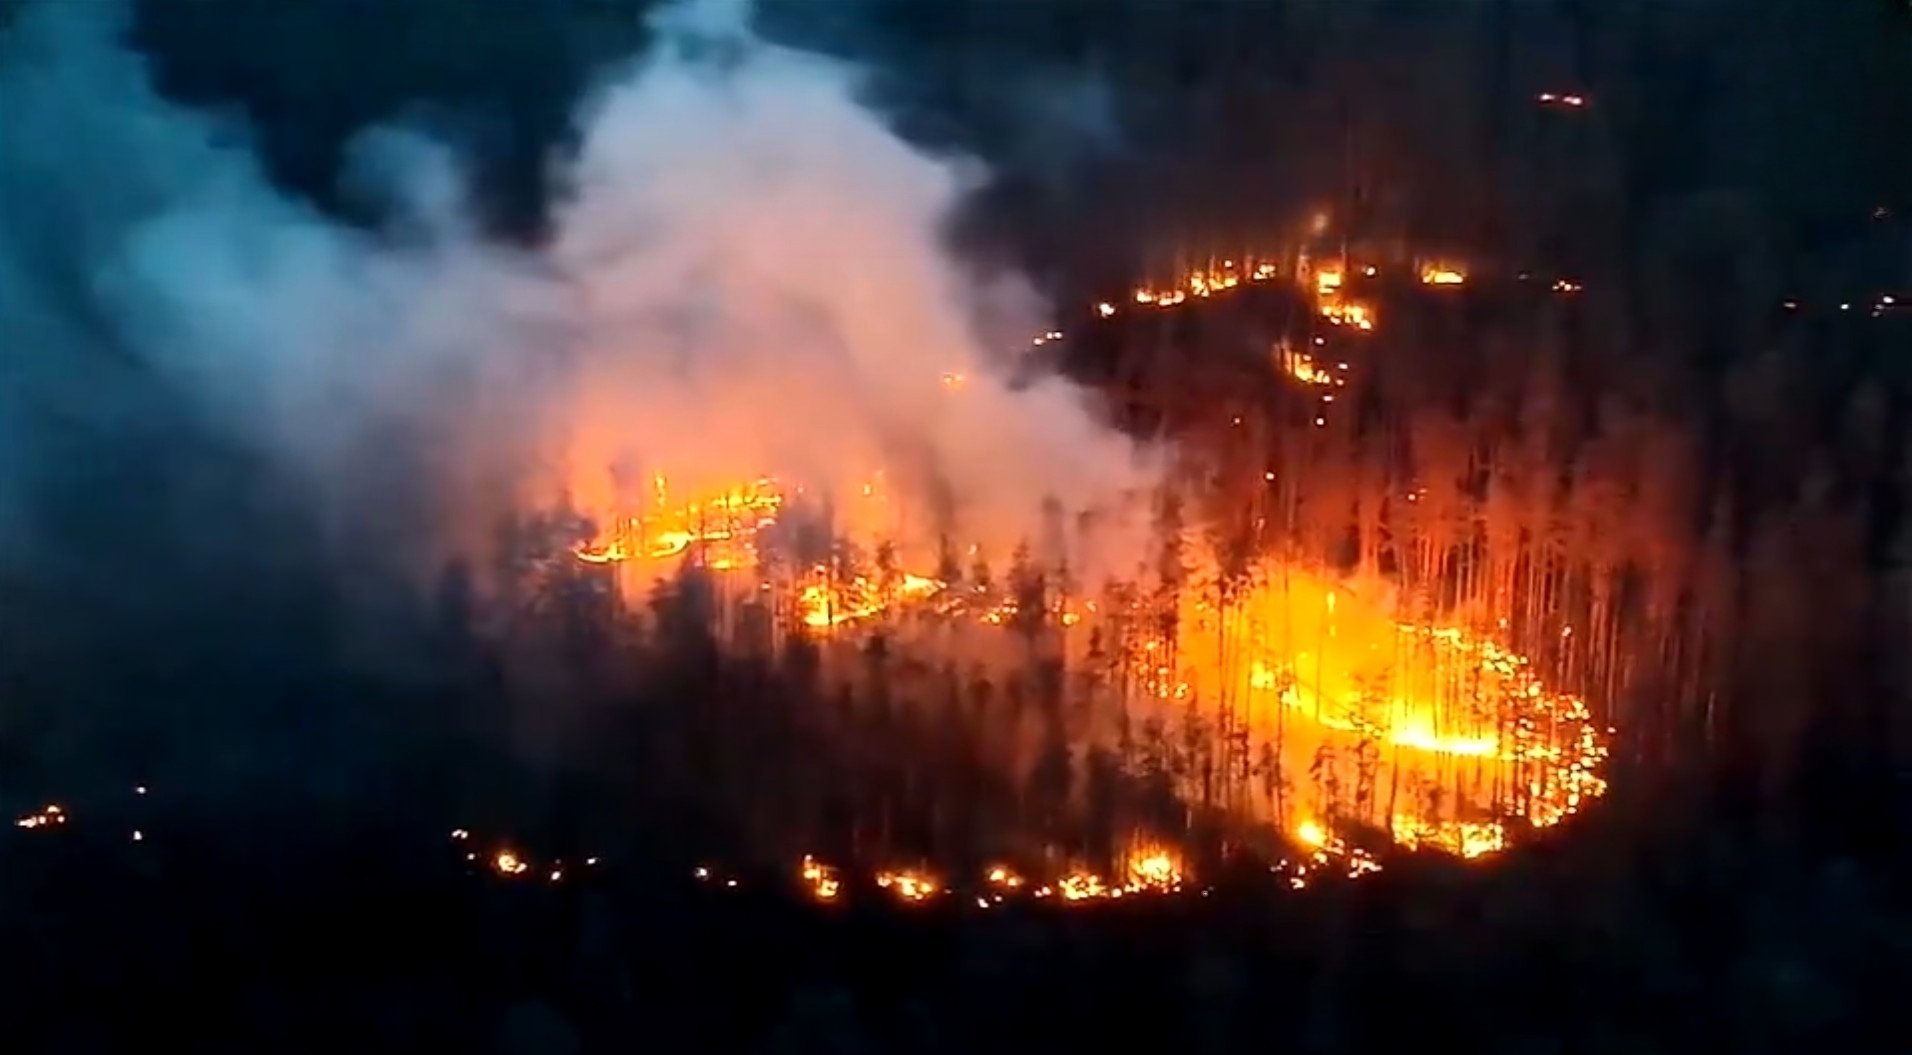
(909, 886)
(1348, 313)
(1199, 283)
(820, 879)
(1434, 735)
(1431, 734)
(1344, 706)
(1154, 869)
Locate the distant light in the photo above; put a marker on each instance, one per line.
(138, 836)
(1105, 309)
(139, 790)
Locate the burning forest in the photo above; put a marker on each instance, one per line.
(812, 512)
(1242, 668)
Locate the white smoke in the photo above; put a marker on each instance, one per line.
(747, 274)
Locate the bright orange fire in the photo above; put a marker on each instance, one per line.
(1434, 736)
(909, 886)
(1431, 734)
(821, 879)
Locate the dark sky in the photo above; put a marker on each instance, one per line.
(1143, 126)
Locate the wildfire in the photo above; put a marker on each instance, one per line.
(1348, 313)
(1452, 721)
(1328, 282)
(1199, 283)
(1154, 869)
(909, 886)
(820, 879)
(723, 522)
(1002, 877)
(1302, 367)
(1432, 735)
(1329, 854)
(1079, 886)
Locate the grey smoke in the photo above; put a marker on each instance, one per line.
(747, 274)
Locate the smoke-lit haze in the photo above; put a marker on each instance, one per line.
(747, 274)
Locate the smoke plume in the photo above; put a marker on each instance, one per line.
(747, 274)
